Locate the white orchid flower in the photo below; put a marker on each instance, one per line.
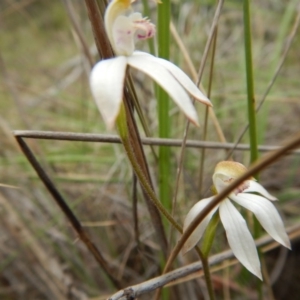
(123, 27)
(238, 234)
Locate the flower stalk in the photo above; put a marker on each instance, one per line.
(163, 105)
(251, 107)
(123, 131)
(250, 83)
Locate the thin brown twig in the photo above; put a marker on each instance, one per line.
(200, 73)
(135, 210)
(74, 21)
(210, 39)
(108, 138)
(96, 19)
(204, 135)
(193, 72)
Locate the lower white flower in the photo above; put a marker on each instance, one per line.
(237, 232)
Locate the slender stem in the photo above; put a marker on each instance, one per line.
(123, 131)
(206, 246)
(250, 83)
(131, 135)
(211, 69)
(164, 166)
(78, 31)
(97, 22)
(135, 210)
(206, 271)
(251, 109)
(210, 235)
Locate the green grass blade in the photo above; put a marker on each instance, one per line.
(163, 36)
(250, 83)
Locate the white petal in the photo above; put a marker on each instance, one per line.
(239, 237)
(123, 35)
(266, 214)
(198, 232)
(107, 82)
(164, 78)
(114, 9)
(181, 77)
(256, 187)
(220, 181)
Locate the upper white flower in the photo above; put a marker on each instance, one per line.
(107, 78)
(237, 232)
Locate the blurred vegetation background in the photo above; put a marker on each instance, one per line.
(44, 86)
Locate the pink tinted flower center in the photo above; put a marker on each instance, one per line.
(240, 188)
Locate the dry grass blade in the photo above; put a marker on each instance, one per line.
(71, 13)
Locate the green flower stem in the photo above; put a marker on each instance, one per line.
(251, 109)
(206, 271)
(164, 165)
(123, 131)
(250, 83)
(205, 249)
(251, 97)
(210, 235)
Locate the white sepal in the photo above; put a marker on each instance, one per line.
(266, 214)
(164, 78)
(182, 78)
(107, 82)
(239, 237)
(256, 187)
(198, 232)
